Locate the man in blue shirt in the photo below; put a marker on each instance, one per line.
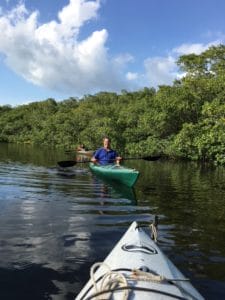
(106, 155)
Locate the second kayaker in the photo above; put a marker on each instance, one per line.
(105, 155)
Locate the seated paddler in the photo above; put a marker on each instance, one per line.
(105, 155)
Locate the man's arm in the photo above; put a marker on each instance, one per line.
(95, 157)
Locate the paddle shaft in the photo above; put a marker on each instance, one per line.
(70, 163)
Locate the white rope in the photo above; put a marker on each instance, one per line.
(154, 232)
(92, 271)
(113, 279)
(110, 280)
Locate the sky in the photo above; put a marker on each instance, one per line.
(71, 48)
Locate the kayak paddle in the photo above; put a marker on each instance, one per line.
(71, 163)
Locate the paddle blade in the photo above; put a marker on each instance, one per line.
(66, 163)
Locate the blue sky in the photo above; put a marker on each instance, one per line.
(70, 48)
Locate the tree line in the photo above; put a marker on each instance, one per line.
(183, 120)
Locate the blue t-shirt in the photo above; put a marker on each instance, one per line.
(105, 157)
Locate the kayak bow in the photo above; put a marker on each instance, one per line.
(137, 269)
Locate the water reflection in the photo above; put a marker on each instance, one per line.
(109, 189)
(49, 226)
(29, 154)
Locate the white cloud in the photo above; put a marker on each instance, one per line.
(196, 48)
(160, 70)
(163, 70)
(52, 56)
(131, 76)
(189, 48)
(122, 59)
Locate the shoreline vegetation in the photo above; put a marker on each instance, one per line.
(183, 121)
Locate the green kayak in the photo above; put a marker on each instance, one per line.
(115, 172)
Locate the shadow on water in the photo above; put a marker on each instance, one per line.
(34, 281)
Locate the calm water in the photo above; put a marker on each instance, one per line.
(54, 224)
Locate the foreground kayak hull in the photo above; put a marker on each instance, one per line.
(137, 251)
(117, 173)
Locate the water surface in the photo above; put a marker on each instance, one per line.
(55, 223)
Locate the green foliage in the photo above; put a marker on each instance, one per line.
(185, 120)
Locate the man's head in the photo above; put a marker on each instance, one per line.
(106, 142)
